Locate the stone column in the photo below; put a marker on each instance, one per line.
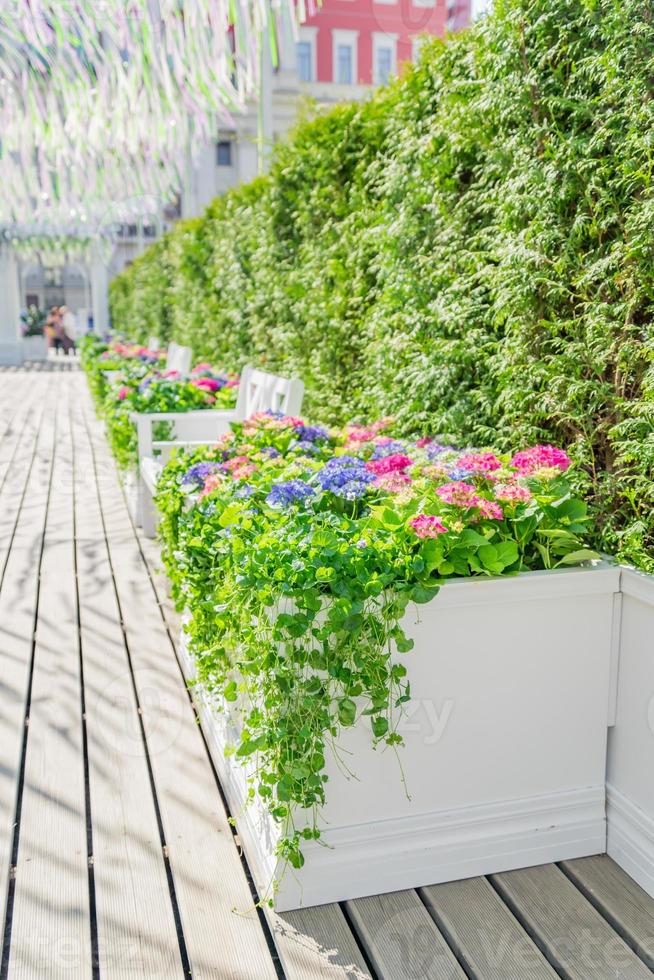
(10, 336)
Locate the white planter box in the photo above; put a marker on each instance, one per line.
(131, 487)
(630, 773)
(505, 753)
(34, 348)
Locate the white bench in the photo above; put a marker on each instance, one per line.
(258, 391)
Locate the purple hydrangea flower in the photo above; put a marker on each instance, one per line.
(345, 476)
(307, 448)
(271, 452)
(244, 491)
(435, 449)
(289, 492)
(459, 473)
(311, 433)
(198, 473)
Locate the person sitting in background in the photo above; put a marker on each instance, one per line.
(69, 328)
(50, 330)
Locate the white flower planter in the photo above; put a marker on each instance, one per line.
(34, 348)
(630, 774)
(505, 754)
(131, 487)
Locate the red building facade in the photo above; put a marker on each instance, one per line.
(363, 42)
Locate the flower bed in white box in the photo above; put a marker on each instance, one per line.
(630, 772)
(505, 746)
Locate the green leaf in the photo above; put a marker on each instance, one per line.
(379, 726)
(574, 557)
(347, 711)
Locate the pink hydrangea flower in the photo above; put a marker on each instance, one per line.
(421, 443)
(427, 526)
(479, 462)
(211, 483)
(171, 374)
(233, 383)
(382, 440)
(239, 467)
(459, 494)
(389, 464)
(393, 482)
(208, 384)
(122, 392)
(489, 509)
(512, 493)
(202, 366)
(235, 462)
(359, 434)
(539, 458)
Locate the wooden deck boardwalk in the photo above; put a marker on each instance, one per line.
(117, 859)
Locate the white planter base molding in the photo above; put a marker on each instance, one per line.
(630, 771)
(630, 840)
(512, 684)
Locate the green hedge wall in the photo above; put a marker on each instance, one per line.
(471, 250)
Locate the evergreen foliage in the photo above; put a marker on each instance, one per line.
(471, 250)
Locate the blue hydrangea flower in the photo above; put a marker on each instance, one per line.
(435, 449)
(380, 452)
(289, 492)
(271, 451)
(458, 473)
(198, 473)
(345, 476)
(307, 448)
(311, 433)
(244, 491)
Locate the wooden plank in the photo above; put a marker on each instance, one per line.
(20, 449)
(51, 923)
(573, 935)
(486, 936)
(318, 944)
(401, 938)
(621, 901)
(136, 928)
(17, 610)
(221, 926)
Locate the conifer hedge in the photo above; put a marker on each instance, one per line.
(471, 250)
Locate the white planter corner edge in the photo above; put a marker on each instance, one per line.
(630, 768)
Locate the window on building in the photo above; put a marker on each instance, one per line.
(344, 64)
(305, 61)
(224, 153)
(383, 64)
